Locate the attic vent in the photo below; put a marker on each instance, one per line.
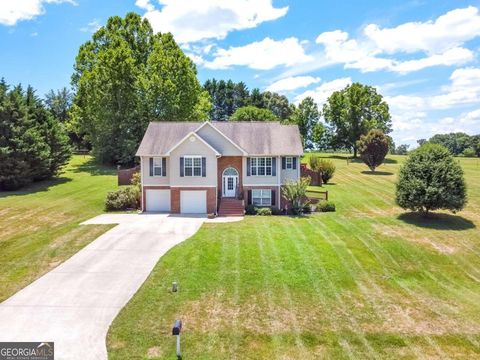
(192, 138)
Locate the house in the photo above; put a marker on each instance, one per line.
(210, 167)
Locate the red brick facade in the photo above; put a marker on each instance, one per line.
(225, 162)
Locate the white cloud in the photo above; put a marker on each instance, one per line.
(321, 93)
(194, 20)
(13, 11)
(262, 55)
(455, 56)
(448, 31)
(292, 83)
(92, 26)
(464, 89)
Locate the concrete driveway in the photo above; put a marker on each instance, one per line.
(74, 304)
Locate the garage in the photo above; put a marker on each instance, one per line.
(193, 202)
(157, 200)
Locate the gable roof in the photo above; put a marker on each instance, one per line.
(255, 138)
(192, 133)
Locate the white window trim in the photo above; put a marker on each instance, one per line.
(262, 192)
(157, 166)
(287, 158)
(265, 166)
(193, 167)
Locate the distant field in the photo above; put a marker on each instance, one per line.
(39, 225)
(369, 281)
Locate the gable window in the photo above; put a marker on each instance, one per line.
(193, 166)
(262, 197)
(157, 166)
(261, 166)
(289, 162)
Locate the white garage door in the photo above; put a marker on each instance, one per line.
(193, 202)
(157, 200)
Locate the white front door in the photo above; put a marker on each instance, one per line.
(229, 185)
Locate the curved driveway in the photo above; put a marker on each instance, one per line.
(75, 303)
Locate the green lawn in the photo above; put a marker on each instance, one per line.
(39, 225)
(368, 281)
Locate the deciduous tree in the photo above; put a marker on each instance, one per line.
(353, 112)
(373, 148)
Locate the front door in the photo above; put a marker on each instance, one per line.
(229, 185)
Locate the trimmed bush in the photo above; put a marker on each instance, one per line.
(125, 198)
(264, 211)
(431, 179)
(251, 210)
(326, 206)
(373, 148)
(327, 169)
(307, 209)
(277, 211)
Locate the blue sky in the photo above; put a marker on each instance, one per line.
(423, 56)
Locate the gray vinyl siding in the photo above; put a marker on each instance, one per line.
(218, 141)
(290, 174)
(153, 180)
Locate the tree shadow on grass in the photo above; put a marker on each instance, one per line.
(379, 173)
(94, 168)
(35, 187)
(437, 221)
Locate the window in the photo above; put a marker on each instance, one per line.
(262, 197)
(289, 162)
(157, 166)
(193, 166)
(261, 166)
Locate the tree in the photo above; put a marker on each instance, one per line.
(277, 104)
(296, 194)
(325, 168)
(402, 149)
(353, 112)
(33, 144)
(127, 76)
(373, 148)
(306, 116)
(421, 142)
(320, 136)
(59, 103)
(431, 179)
(226, 97)
(252, 113)
(456, 143)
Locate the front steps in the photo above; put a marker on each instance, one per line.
(231, 207)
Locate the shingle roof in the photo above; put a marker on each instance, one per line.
(256, 138)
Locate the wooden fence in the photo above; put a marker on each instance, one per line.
(125, 175)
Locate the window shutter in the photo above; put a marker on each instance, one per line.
(164, 167)
(274, 166)
(284, 162)
(181, 167)
(248, 166)
(249, 197)
(295, 163)
(151, 166)
(273, 197)
(204, 166)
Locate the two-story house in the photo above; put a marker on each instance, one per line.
(210, 167)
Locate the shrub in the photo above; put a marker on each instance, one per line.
(264, 211)
(431, 179)
(327, 169)
(307, 209)
(326, 206)
(296, 194)
(136, 180)
(469, 152)
(127, 197)
(277, 211)
(373, 148)
(251, 210)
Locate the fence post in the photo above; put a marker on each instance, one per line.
(326, 195)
